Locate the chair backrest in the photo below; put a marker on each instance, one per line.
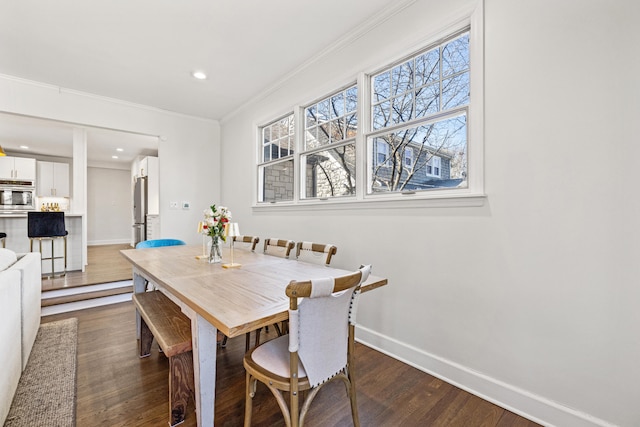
(45, 224)
(156, 243)
(246, 242)
(321, 326)
(278, 247)
(315, 252)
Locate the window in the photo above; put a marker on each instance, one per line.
(408, 156)
(329, 155)
(275, 171)
(421, 106)
(382, 152)
(409, 131)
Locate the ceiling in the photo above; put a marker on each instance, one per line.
(144, 52)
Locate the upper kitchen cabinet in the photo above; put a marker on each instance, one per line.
(52, 179)
(17, 168)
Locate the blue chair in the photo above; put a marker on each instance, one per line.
(156, 243)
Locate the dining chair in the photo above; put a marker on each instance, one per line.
(315, 252)
(157, 243)
(246, 242)
(278, 247)
(320, 347)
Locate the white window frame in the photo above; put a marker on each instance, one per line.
(471, 196)
(261, 163)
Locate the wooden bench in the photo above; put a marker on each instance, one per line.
(162, 319)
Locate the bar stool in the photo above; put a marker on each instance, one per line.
(3, 237)
(48, 226)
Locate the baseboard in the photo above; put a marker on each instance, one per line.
(531, 406)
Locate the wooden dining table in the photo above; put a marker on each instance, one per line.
(233, 301)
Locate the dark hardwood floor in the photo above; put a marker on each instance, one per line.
(116, 388)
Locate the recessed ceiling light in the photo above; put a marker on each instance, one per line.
(26, 147)
(200, 75)
(114, 157)
(119, 149)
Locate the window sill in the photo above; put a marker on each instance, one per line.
(393, 202)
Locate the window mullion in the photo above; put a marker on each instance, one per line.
(364, 127)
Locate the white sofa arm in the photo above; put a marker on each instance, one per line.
(30, 269)
(10, 332)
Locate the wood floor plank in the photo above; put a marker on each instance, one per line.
(116, 388)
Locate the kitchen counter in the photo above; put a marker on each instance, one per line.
(15, 225)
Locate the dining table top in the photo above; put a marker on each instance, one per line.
(234, 300)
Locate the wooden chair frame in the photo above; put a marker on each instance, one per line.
(293, 416)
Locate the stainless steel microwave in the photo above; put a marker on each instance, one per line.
(14, 197)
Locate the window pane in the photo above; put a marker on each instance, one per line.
(381, 87)
(323, 110)
(323, 134)
(402, 78)
(438, 157)
(310, 114)
(330, 173)
(311, 140)
(351, 126)
(455, 91)
(403, 108)
(277, 182)
(337, 105)
(455, 56)
(381, 115)
(428, 67)
(427, 100)
(351, 99)
(337, 130)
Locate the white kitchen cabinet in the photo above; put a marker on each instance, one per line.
(17, 168)
(153, 227)
(149, 168)
(52, 179)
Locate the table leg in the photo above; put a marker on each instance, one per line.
(139, 285)
(204, 368)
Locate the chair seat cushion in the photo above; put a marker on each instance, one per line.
(274, 356)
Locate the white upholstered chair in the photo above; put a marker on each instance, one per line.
(246, 242)
(278, 247)
(315, 252)
(319, 348)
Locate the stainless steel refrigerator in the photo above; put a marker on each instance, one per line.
(140, 209)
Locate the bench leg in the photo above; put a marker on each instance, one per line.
(181, 385)
(146, 338)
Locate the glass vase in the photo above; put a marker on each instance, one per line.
(215, 252)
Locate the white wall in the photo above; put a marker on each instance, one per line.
(108, 206)
(188, 151)
(530, 300)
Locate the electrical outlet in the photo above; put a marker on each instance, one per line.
(186, 205)
(173, 205)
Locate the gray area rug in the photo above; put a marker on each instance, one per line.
(46, 394)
